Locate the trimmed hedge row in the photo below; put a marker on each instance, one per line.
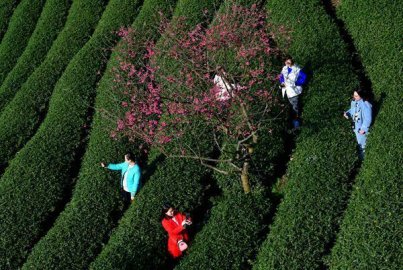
(21, 117)
(371, 232)
(6, 11)
(139, 242)
(20, 28)
(34, 185)
(79, 231)
(177, 181)
(49, 25)
(318, 175)
(231, 235)
(233, 232)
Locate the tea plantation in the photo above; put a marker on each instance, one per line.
(313, 203)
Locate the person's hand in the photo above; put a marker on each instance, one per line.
(362, 132)
(103, 165)
(345, 115)
(186, 222)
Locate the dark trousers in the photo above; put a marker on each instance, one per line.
(294, 101)
(126, 196)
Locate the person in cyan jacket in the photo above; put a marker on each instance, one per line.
(130, 176)
(361, 114)
(291, 79)
(175, 223)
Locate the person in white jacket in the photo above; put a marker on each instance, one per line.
(291, 80)
(224, 89)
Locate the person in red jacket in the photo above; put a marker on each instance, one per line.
(175, 224)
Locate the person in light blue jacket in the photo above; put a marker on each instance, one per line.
(130, 179)
(361, 114)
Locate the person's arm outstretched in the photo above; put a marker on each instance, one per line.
(114, 167)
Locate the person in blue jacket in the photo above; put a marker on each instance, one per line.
(361, 114)
(291, 80)
(130, 176)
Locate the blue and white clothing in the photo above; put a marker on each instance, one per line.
(130, 180)
(292, 80)
(361, 113)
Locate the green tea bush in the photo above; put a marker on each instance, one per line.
(34, 185)
(233, 231)
(49, 25)
(371, 231)
(139, 242)
(21, 117)
(307, 219)
(77, 235)
(178, 181)
(231, 234)
(6, 11)
(19, 30)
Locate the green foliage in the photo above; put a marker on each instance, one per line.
(318, 175)
(178, 181)
(6, 11)
(49, 25)
(77, 235)
(376, 26)
(20, 118)
(139, 241)
(231, 234)
(371, 231)
(36, 180)
(20, 28)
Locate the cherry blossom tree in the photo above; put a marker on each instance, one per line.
(216, 78)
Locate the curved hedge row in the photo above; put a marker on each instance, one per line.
(31, 194)
(371, 232)
(139, 241)
(231, 235)
(79, 231)
(21, 117)
(6, 11)
(49, 25)
(318, 175)
(178, 181)
(20, 28)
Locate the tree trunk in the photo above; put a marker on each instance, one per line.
(245, 177)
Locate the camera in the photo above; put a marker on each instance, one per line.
(187, 220)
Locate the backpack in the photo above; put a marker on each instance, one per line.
(302, 78)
